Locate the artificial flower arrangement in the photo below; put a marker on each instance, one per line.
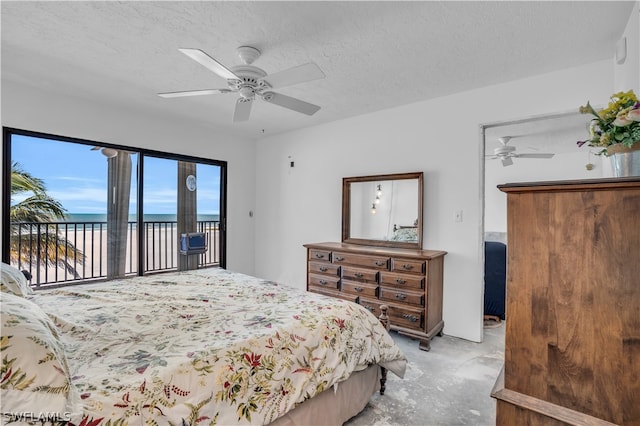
(618, 123)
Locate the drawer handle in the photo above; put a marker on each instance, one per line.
(400, 281)
(323, 269)
(407, 266)
(339, 258)
(369, 308)
(358, 274)
(400, 296)
(322, 282)
(380, 263)
(411, 318)
(358, 289)
(320, 255)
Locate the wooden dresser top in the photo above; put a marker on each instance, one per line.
(602, 184)
(375, 250)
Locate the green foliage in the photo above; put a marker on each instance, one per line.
(38, 207)
(619, 123)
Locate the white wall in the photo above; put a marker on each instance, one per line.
(54, 113)
(439, 137)
(627, 74)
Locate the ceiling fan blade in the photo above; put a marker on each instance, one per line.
(243, 109)
(507, 161)
(210, 63)
(290, 103)
(295, 75)
(541, 155)
(193, 93)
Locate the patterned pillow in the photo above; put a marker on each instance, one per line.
(34, 376)
(14, 281)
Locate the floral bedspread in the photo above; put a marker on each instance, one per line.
(207, 347)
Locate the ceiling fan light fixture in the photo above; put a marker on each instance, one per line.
(247, 92)
(248, 54)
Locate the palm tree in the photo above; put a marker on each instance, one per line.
(44, 245)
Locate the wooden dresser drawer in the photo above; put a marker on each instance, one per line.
(376, 262)
(400, 315)
(405, 316)
(324, 281)
(372, 305)
(401, 296)
(359, 288)
(324, 268)
(319, 255)
(402, 280)
(408, 265)
(358, 274)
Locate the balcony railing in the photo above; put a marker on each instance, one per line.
(47, 249)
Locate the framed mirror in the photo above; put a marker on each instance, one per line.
(383, 210)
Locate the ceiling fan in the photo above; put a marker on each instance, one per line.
(250, 81)
(507, 153)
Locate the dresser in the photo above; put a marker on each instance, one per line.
(408, 281)
(572, 338)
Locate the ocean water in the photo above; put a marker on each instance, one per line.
(93, 217)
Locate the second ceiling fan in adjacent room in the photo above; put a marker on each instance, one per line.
(506, 153)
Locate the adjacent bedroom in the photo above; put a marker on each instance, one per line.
(301, 213)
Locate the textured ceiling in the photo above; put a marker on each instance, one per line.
(375, 55)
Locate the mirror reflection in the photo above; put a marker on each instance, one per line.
(383, 210)
(388, 210)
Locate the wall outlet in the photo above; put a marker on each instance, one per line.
(457, 216)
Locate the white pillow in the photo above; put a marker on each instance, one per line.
(34, 355)
(14, 281)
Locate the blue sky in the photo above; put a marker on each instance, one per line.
(77, 177)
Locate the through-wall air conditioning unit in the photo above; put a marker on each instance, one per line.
(193, 243)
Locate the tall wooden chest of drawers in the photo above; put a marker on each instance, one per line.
(572, 341)
(408, 281)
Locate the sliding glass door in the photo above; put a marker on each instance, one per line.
(180, 198)
(75, 210)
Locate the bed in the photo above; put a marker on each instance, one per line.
(405, 233)
(208, 346)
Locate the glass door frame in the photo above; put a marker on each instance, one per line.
(142, 153)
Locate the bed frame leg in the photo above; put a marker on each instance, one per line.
(383, 380)
(384, 319)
